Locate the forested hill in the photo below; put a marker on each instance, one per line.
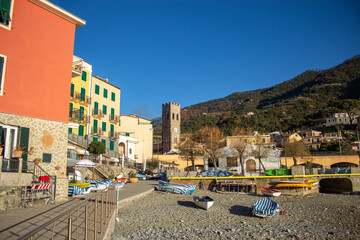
(294, 104)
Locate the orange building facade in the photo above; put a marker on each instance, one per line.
(36, 52)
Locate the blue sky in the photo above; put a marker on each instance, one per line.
(192, 51)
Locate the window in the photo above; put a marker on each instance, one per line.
(104, 109)
(112, 130)
(105, 93)
(82, 94)
(70, 130)
(97, 89)
(2, 73)
(46, 157)
(95, 126)
(173, 115)
(177, 116)
(112, 96)
(81, 130)
(130, 150)
(83, 76)
(231, 162)
(95, 139)
(250, 166)
(71, 110)
(112, 111)
(96, 108)
(5, 12)
(104, 142)
(72, 90)
(9, 138)
(104, 126)
(112, 145)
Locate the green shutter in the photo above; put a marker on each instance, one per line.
(104, 126)
(70, 130)
(104, 109)
(82, 94)
(105, 93)
(81, 113)
(83, 76)
(96, 108)
(104, 142)
(97, 89)
(111, 127)
(81, 130)
(72, 90)
(5, 9)
(46, 157)
(0, 134)
(113, 96)
(95, 125)
(1, 69)
(112, 145)
(71, 110)
(95, 139)
(24, 142)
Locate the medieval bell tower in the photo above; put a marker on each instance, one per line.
(170, 126)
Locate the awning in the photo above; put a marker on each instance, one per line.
(85, 163)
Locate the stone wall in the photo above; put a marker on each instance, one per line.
(48, 137)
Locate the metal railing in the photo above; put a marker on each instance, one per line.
(97, 131)
(86, 220)
(114, 118)
(78, 116)
(80, 97)
(10, 165)
(113, 135)
(97, 113)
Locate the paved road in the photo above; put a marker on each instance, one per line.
(17, 222)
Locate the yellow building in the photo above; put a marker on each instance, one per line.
(80, 97)
(140, 129)
(255, 138)
(105, 111)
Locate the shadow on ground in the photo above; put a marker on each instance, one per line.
(240, 210)
(187, 204)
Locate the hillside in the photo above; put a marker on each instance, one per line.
(294, 104)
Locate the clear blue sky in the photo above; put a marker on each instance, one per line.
(192, 51)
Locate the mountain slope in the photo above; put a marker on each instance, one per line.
(296, 103)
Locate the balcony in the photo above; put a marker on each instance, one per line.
(77, 68)
(82, 98)
(97, 113)
(113, 135)
(97, 131)
(114, 118)
(78, 116)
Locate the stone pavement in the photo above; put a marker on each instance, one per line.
(17, 222)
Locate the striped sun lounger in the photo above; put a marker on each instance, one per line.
(265, 207)
(75, 190)
(176, 188)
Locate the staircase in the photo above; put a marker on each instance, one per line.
(43, 186)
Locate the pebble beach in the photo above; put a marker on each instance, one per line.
(164, 215)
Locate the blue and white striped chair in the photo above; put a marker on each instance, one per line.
(176, 188)
(265, 207)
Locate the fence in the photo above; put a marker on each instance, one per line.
(86, 220)
(10, 165)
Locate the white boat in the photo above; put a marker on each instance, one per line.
(204, 202)
(270, 192)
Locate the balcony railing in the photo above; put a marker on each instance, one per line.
(97, 113)
(78, 116)
(113, 135)
(97, 131)
(80, 97)
(114, 118)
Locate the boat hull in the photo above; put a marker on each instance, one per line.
(80, 185)
(293, 185)
(270, 192)
(204, 202)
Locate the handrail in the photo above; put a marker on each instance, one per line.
(110, 206)
(53, 177)
(260, 177)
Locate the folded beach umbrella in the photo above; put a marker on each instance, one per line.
(265, 207)
(85, 163)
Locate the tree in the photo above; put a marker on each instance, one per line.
(295, 150)
(241, 148)
(189, 149)
(211, 139)
(261, 150)
(96, 148)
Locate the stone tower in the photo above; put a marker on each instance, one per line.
(170, 126)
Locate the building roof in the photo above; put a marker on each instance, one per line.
(106, 81)
(60, 12)
(134, 116)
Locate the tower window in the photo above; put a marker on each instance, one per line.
(173, 115)
(177, 116)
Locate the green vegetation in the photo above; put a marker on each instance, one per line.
(295, 104)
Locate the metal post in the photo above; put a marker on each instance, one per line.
(69, 226)
(95, 213)
(86, 220)
(102, 212)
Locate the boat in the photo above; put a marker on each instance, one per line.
(176, 188)
(277, 172)
(75, 190)
(118, 185)
(270, 192)
(265, 207)
(80, 185)
(205, 202)
(293, 185)
(99, 185)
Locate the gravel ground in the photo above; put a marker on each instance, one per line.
(163, 215)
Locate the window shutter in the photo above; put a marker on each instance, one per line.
(105, 93)
(5, 9)
(113, 96)
(71, 110)
(97, 89)
(47, 157)
(1, 69)
(24, 142)
(104, 126)
(83, 76)
(104, 109)
(72, 90)
(81, 130)
(112, 145)
(95, 139)
(104, 142)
